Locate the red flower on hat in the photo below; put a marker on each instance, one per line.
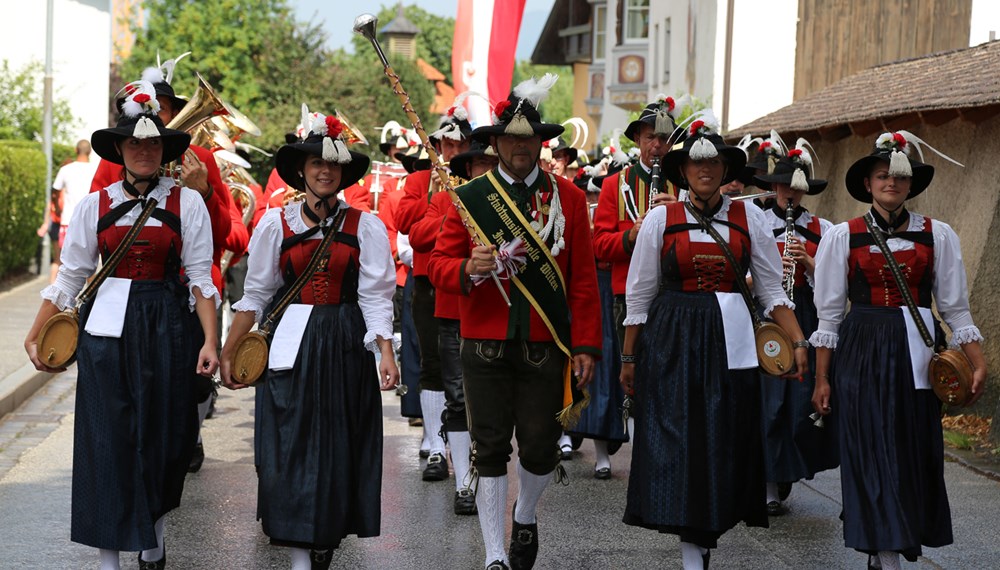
(413, 143)
(697, 125)
(795, 153)
(451, 111)
(333, 127)
(900, 140)
(545, 144)
(501, 107)
(670, 103)
(130, 89)
(141, 98)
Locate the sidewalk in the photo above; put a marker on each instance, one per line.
(18, 378)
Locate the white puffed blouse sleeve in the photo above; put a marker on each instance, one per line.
(765, 263)
(830, 295)
(263, 265)
(643, 281)
(951, 289)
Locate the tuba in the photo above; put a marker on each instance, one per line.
(352, 134)
(203, 105)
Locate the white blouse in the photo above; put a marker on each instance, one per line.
(643, 282)
(950, 289)
(80, 250)
(804, 219)
(376, 279)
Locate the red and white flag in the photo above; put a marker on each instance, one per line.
(482, 58)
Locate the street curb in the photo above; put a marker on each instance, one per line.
(19, 386)
(969, 460)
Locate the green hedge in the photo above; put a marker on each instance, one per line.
(22, 203)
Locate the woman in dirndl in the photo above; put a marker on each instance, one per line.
(689, 353)
(872, 366)
(796, 445)
(144, 339)
(318, 424)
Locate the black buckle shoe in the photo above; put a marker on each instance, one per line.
(437, 468)
(155, 565)
(197, 459)
(497, 565)
(602, 473)
(465, 502)
(566, 453)
(776, 509)
(523, 544)
(320, 559)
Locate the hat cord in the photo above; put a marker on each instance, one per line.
(323, 200)
(130, 187)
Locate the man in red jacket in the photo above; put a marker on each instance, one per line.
(625, 197)
(451, 138)
(528, 362)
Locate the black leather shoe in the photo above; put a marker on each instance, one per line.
(437, 468)
(784, 489)
(197, 459)
(424, 453)
(156, 565)
(465, 502)
(602, 473)
(566, 452)
(776, 509)
(523, 544)
(320, 559)
(497, 565)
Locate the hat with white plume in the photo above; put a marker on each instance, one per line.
(139, 120)
(161, 77)
(325, 139)
(518, 115)
(769, 152)
(454, 124)
(702, 142)
(661, 114)
(894, 149)
(797, 169)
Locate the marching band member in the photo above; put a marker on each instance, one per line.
(136, 416)
(451, 139)
(689, 354)
(516, 359)
(891, 448)
(794, 446)
(318, 433)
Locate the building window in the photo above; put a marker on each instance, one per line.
(666, 51)
(600, 31)
(636, 20)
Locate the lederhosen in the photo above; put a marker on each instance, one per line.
(892, 457)
(136, 415)
(318, 436)
(697, 462)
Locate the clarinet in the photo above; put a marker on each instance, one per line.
(655, 184)
(788, 280)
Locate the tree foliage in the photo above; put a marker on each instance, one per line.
(558, 106)
(21, 108)
(434, 42)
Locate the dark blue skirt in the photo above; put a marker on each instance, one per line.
(409, 359)
(136, 419)
(697, 459)
(892, 453)
(318, 437)
(602, 419)
(794, 448)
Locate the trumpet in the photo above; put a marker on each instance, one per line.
(365, 25)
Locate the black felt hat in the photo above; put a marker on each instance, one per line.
(139, 120)
(518, 114)
(890, 148)
(323, 140)
(414, 159)
(460, 162)
(793, 170)
(658, 114)
(558, 144)
(701, 143)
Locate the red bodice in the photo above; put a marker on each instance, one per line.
(870, 281)
(336, 280)
(702, 266)
(155, 254)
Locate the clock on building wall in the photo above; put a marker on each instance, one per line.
(632, 69)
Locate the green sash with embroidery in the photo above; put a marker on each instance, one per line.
(495, 216)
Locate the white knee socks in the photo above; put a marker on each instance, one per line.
(154, 554)
(300, 559)
(202, 412)
(530, 488)
(772, 492)
(432, 406)
(890, 560)
(601, 452)
(109, 559)
(691, 555)
(491, 501)
(461, 445)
